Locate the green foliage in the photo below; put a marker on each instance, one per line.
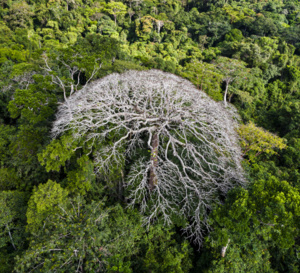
(159, 252)
(12, 227)
(6, 133)
(270, 209)
(57, 153)
(120, 67)
(44, 201)
(255, 140)
(85, 237)
(252, 257)
(34, 104)
(234, 35)
(144, 27)
(80, 180)
(12, 219)
(234, 73)
(254, 44)
(204, 77)
(116, 9)
(19, 15)
(252, 223)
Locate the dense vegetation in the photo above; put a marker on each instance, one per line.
(56, 215)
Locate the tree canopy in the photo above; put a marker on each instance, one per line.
(193, 153)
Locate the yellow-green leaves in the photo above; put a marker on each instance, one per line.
(43, 202)
(204, 76)
(255, 140)
(115, 9)
(236, 14)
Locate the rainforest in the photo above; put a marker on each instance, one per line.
(150, 136)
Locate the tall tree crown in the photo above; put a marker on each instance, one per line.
(181, 145)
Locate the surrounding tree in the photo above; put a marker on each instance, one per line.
(232, 71)
(82, 237)
(115, 8)
(255, 140)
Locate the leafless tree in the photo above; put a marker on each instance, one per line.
(193, 153)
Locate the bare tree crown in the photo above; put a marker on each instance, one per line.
(193, 158)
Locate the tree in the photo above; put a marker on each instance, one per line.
(45, 200)
(256, 140)
(12, 227)
(233, 70)
(115, 8)
(74, 65)
(144, 26)
(264, 216)
(159, 252)
(81, 237)
(193, 155)
(130, 12)
(12, 210)
(203, 75)
(241, 257)
(19, 15)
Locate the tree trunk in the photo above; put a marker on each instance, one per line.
(121, 187)
(224, 248)
(10, 236)
(225, 94)
(154, 162)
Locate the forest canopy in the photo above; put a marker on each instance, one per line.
(149, 136)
